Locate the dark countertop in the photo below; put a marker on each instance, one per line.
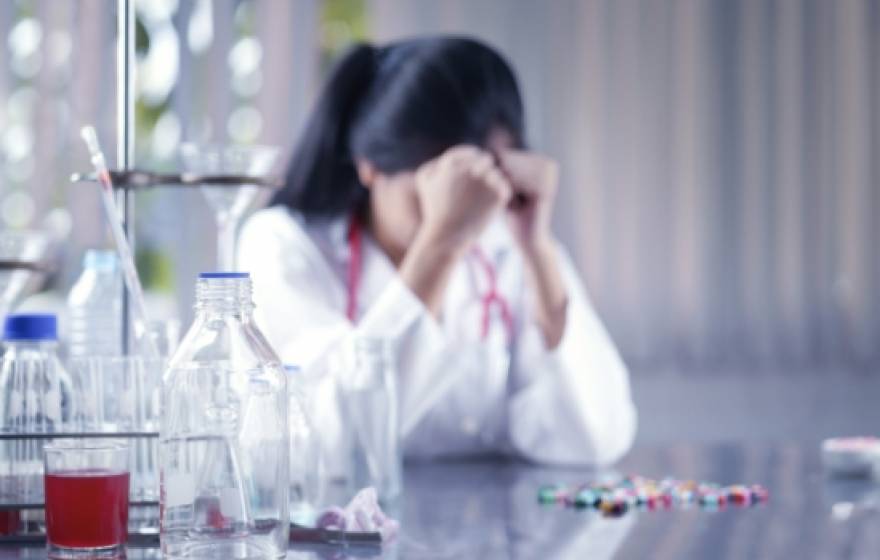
(489, 510)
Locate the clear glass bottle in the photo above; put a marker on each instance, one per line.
(36, 398)
(306, 461)
(223, 444)
(372, 411)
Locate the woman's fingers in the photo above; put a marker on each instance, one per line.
(529, 172)
(481, 165)
(461, 156)
(499, 183)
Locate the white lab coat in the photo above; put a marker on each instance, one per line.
(459, 393)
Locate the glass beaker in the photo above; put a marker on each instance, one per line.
(122, 394)
(306, 457)
(370, 395)
(86, 487)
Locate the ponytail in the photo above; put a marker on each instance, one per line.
(322, 178)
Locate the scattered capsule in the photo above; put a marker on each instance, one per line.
(549, 494)
(740, 495)
(759, 493)
(613, 508)
(635, 492)
(685, 496)
(586, 498)
(709, 500)
(642, 498)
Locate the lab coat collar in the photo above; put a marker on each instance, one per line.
(377, 268)
(495, 240)
(337, 234)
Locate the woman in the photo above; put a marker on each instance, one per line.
(412, 211)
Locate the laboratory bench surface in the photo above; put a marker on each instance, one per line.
(488, 509)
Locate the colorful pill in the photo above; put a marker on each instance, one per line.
(759, 493)
(548, 494)
(685, 496)
(613, 508)
(587, 498)
(739, 495)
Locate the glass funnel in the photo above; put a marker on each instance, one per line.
(229, 202)
(22, 253)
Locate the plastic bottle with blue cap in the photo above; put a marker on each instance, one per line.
(37, 398)
(224, 435)
(94, 306)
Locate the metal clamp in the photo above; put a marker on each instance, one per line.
(31, 266)
(139, 179)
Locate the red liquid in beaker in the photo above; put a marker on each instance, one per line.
(9, 522)
(86, 509)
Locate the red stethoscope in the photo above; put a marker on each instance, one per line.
(491, 298)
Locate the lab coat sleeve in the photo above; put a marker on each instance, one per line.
(300, 307)
(572, 404)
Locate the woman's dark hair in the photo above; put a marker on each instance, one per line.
(398, 106)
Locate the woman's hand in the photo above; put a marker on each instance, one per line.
(459, 192)
(535, 180)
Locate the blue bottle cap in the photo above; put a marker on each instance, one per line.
(31, 326)
(100, 260)
(219, 275)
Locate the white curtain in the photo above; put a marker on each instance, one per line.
(721, 163)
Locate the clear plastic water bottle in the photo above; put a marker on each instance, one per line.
(223, 438)
(36, 396)
(94, 305)
(370, 394)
